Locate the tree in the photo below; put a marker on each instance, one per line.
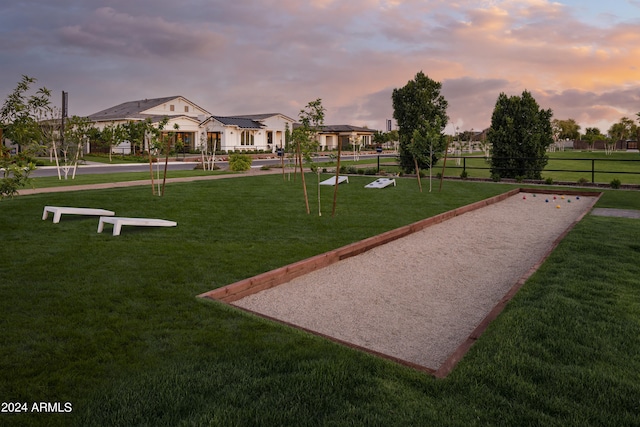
(305, 136)
(565, 129)
(19, 123)
(76, 135)
(20, 113)
(418, 106)
(51, 127)
(591, 135)
(112, 135)
(169, 138)
(520, 134)
(622, 130)
(136, 132)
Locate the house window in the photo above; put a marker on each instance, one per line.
(186, 108)
(246, 138)
(172, 107)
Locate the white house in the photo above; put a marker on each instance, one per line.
(332, 135)
(264, 132)
(197, 126)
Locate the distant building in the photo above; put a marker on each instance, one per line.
(197, 126)
(332, 135)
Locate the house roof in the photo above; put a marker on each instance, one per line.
(340, 128)
(241, 122)
(345, 128)
(134, 109)
(130, 109)
(263, 116)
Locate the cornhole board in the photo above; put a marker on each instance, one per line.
(381, 183)
(332, 180)
(57, 212)
(119, 221)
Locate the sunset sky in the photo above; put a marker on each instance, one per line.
(579, 58)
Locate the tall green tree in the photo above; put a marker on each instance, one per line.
(20, 113)
(623, 130)
(591, 135)
(520, 134)
(419, 106)
(565, 129)
(19, 123)
(112, 135)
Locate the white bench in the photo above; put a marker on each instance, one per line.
(119, 221)
(57, 212)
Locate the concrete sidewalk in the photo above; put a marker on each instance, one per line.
(147, 182)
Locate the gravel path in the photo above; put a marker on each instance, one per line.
(419, 297)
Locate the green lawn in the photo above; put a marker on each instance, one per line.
(113, 325)
(566, 166)
(88, 179)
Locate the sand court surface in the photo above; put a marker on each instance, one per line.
(418, 298)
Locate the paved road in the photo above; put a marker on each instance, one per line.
(103, 168)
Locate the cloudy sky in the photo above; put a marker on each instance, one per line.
(581, 58)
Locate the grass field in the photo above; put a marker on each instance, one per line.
(113, 326)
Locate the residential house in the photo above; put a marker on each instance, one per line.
(197, 127)
(265, 132)
(180, 111)
(332, 135)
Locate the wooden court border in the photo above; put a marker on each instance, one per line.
(252, 285)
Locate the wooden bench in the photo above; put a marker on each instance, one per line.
(119, 221)
(57, 212)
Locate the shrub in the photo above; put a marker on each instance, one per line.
(548, 181)
(583, 180)
(615, 183)
(239, 162)
(370, 171)
(495, 177)
(16, 175)
(464, 175)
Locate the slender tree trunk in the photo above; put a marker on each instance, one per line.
(415, 161)
(166, 165)
(55, 153)
(153, 188)
(335, 190)
(444, 164)
(75, 161)
(319, 203)
(304, 184)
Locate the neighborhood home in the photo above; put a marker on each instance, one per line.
(197, 128)
(346, 135)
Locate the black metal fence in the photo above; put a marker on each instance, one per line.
(593, 170)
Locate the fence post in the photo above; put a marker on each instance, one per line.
(464, 164)
(593, 171)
